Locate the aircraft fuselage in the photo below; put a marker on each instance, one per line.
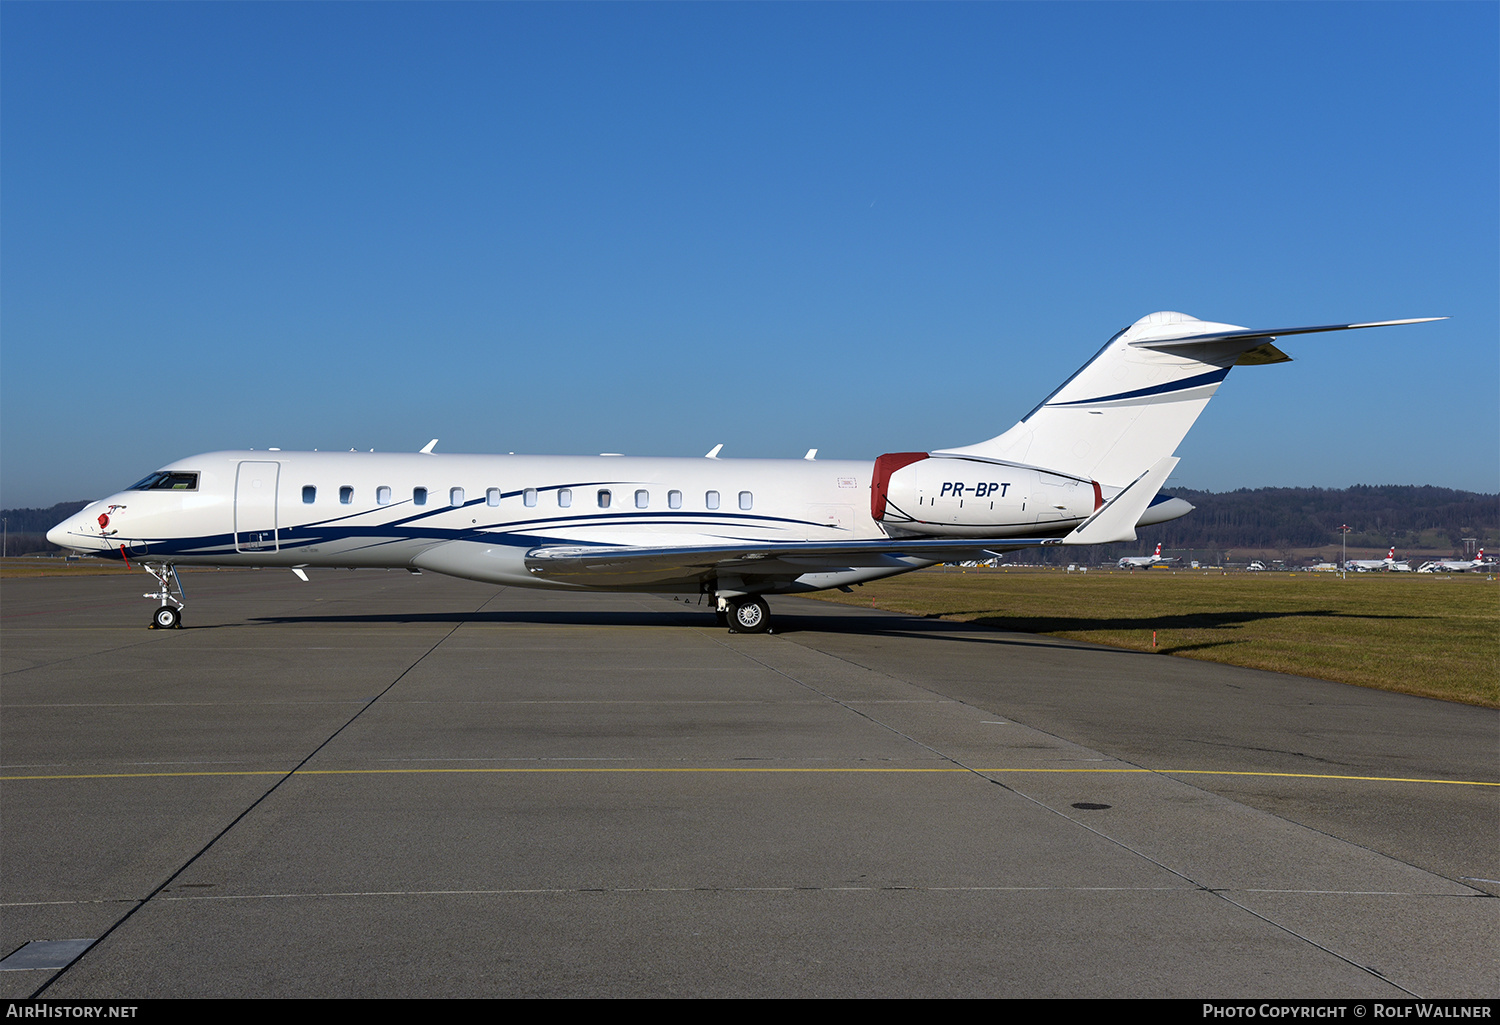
(397, 510)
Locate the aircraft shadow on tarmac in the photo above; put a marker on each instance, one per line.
(844, 620)
(852, 621)
(1229, 620)
(1225, 620)
(693, 616)
(849, 620)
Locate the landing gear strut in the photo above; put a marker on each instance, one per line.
(169, 616)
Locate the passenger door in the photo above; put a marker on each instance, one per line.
(255, 506)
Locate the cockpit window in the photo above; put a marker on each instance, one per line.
(167, 480)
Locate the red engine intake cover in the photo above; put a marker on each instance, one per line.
(885, 466)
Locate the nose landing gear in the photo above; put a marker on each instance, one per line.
(169, 616)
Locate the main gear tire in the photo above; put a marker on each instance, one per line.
(752, 616)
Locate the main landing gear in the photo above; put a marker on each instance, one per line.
(746, 615)
(169, 616)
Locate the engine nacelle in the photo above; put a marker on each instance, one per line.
(954, 496)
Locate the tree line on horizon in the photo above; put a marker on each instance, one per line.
(1378, 516)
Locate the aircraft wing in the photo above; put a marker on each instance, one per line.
(1115, 520)
(622, 564)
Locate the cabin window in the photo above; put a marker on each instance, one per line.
(529, 497)
(492, 497)
(564, 498)
(746, 500)
(711, 500)
(161, 480)
(346, 495)
(418, 496)
(455, 496)
(642, 499)
(309, 494)
(382, 495)
(604, 497)
(674, 499)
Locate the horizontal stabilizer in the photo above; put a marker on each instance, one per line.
(1116, 519)
(1254, 346)
(1246, 334)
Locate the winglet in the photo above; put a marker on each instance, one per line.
(1115, 520)
(713, 453)
(427, 448)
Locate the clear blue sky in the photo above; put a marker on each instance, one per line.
(649, 228)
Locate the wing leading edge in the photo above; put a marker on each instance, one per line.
(791, 558)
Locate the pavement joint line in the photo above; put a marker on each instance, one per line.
(1096, 831)
(74, 658)
(565, 890)
(253, 805)
(757, 702)
(1368, 893)
(1176, 774)
(891, 770)
(849, 707)
(1219, 893)
(524, 891)
(1224, 896)
(812, 672)
(789, 888)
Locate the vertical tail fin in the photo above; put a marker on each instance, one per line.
(1134, 401)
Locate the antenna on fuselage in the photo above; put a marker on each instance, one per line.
(427, 448)
(713, 453)
(812, 454)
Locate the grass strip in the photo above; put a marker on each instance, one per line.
(1431, 635)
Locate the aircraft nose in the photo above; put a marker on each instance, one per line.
(70, 533)
(58, 535)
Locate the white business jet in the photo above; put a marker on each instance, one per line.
(1083, 467)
